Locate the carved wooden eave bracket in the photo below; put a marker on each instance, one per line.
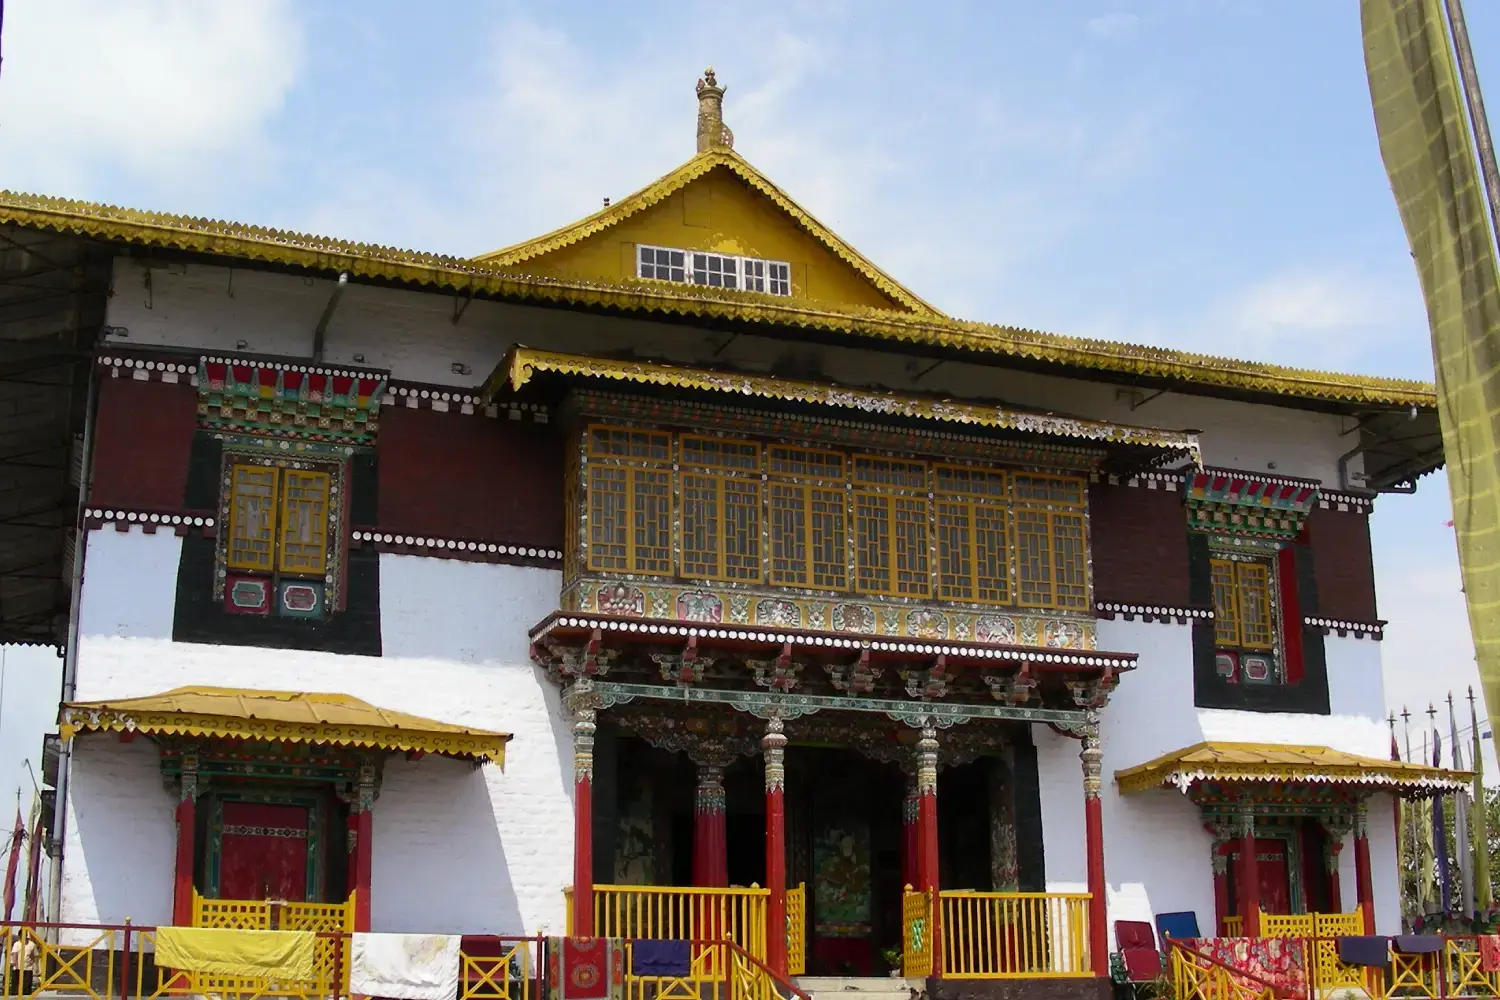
(786, 673)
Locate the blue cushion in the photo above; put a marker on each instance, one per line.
(1181, 925)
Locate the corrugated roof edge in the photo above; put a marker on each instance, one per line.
(237, 241)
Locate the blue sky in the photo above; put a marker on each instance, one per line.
(1199, 174)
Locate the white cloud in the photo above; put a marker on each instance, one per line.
(150, 86)
(1112, 25)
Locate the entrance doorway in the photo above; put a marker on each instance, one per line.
(283, 844)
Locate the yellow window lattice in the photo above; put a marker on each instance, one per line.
(807, 536)
(620, 442)
(1037, 488)
(720, 527)
(700, 526)
(967, 481)
(872, 541)
(1070, 559)
(872, 471)
(1242, 604)
(802, 463)
(1226, 603)
(252, 517)
(891, 544)
(1034, 558)
(609, 519)
(304, 522)
(651, 520)
(973, 552)
(715, 453)
(1253, 581)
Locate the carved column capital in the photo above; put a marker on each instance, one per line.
(188, 787)
(708, 796)
(582, 702)
(1244, 817)
(927, 761)
(1218, 859)
(1361, 817)
(1092, 756)
(773, 749)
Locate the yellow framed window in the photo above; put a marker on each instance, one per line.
(278, 520)
(252, 517)
(973, 544)
(629, 500)
(719, 501)
(1051, 559)
(807, 518)
(891, 554)
(1242, 604)
(304, 522)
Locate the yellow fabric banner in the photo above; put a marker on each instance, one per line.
(283, 955)
(1425, 142)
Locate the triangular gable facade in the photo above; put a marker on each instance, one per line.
(716, 203)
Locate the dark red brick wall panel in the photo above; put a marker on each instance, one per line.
(453, 475)
(1139, 540)
(1343, 566)
(143, 436)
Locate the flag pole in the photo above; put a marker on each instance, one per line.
(1478, 120)
(1460, 821)
(1480, 818)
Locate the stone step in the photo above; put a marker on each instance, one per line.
(864, 987)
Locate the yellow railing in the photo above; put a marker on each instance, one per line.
(507, 976)
(916, 934)
(694, 913)
(259, 914)
(796, 930)
(1194, 977)
(1234, 926)
(1014, 935)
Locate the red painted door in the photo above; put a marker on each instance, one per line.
(1275, 875)
(263, 853)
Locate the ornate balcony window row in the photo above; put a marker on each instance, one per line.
(741, 511)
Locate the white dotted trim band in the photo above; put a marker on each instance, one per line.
(457, 546)
(1153, 611)
(1122, 661)
(143, 370)
(1375, 630)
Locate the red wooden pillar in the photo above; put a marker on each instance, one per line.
(1247, 880)
(1331, 863)
(1092, 756)
(928, 864)
(1220, 861)
(362, 850)
(1364, 890)
(187, 828)
(773, 749)
(909, 849)
(710, 848)
(584, 724)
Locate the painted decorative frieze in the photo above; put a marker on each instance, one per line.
(834, 614)
(286, 400)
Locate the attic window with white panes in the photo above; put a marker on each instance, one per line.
(716, 270)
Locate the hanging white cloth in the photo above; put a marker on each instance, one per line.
(404, 966)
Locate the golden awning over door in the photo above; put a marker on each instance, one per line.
(282, 716)
(1270, 762)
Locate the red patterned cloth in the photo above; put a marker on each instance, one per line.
(1277, 961)
(1489, 953)
(585, 968)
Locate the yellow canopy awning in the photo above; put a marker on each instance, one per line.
(281, 716)
(1270, 762)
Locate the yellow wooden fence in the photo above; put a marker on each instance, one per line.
(695, 913)
(997, 935)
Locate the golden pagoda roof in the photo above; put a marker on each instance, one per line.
(281, 716)
(500, 275)
(665, 187)
(1271, 762)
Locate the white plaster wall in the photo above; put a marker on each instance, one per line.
(454, 847)
(121, 835)
(206, 308)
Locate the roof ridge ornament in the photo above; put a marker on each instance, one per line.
(712, 132)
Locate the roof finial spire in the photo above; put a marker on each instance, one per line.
(712, 132)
